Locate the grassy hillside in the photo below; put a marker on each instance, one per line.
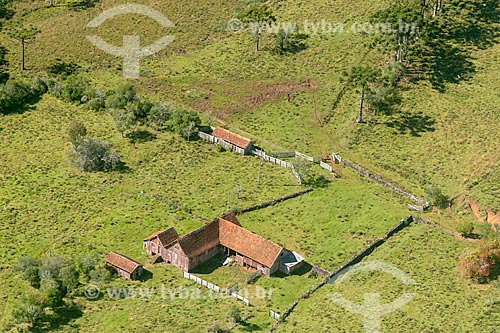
(443, 302)
(447, 138)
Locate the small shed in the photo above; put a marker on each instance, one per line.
(124, 266)
(233, 141)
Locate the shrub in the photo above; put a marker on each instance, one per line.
(93, 155)
(31, 270)
(436, 198)
(466, 228)
(185, 123)
(483, 263)
(77, 133)
(74, 88)
(125, 94)
(29, 310)
(124, 119)
(159, 115)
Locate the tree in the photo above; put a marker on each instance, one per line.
(159, 115)
(23, 35)
(483, 263)
(93, 155)
(54, 292)
(302, 167)
(87, 262)
(362, 77)
(125, 94)
(4, 74)
(404, 17)
(185, 122)
(436, 198)
(77, 133)
(69, 277)
(466, 228)
(29, 310)
(258, 15)
(74, 88)
(124, 119)
(31, 270)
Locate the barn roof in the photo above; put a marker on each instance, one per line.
(228, 232)
(166, 236)
(122, 262)
(231, 137)
(247, 243)
(200, 240)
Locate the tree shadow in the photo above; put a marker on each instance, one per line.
(414, 124)
(247, 327)
(452, 36)
(28, 105)
(297, 43)
(61, 316)
(318, 182)
(141, 136)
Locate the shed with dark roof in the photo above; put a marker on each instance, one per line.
(124, 266)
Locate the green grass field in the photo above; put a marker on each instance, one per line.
(446, 139)
(443, 301)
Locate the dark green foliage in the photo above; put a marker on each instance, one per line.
(87, 262)
(29, 310)
(17, 93)
(93, 155)
(100, 275)
(126, 94)
(258, 15)
(4, 74)
(31, 270)
(159, 115)
(185, 123)
(69, 276)
(436, 198)
(74, 89)
(54, 292)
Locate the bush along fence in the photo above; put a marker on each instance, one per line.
(215, 288)
(424, 204)
(271, 202)
(351, 262)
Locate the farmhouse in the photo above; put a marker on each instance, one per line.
(226, 236)
(233, 141)
(124, 266)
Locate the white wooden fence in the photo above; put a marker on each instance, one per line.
(274, 315)
(202, 282)
(217, 141)
(326, 166)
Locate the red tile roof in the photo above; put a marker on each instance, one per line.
(166, 237)
(122, 262)
(231, 137)
(200, 240)
(247, 243)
